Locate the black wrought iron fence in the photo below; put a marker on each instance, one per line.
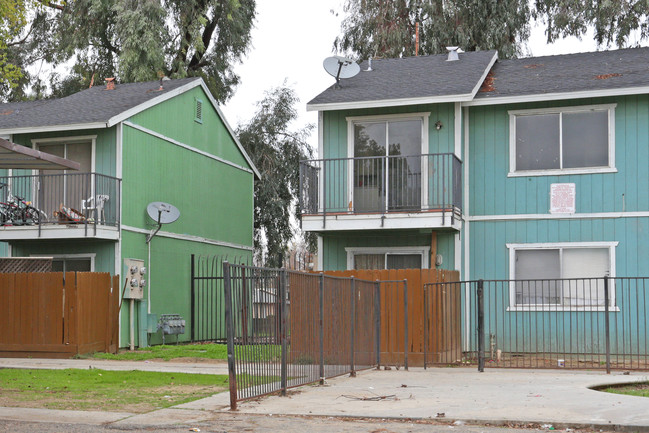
(580, 323)
(381, 184)
(70, 198)
(207, 298)
(316, 327)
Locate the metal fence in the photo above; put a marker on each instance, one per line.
(287, 328)
(586, 323)
(381, 184)
(88, 199)
(207, 298)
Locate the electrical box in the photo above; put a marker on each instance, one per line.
(135, 274)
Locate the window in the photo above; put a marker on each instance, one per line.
(387, 164)
(394, 258)
(560, 276)
(67, 187)
(562, 141)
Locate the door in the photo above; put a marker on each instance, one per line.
(66, 187)
(387, 166)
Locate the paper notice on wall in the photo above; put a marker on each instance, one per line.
(562, 198)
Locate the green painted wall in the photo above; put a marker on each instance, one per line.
(169, 276)
(334, 244)
(175, 119)
(493, 193)
(215, 199)
(104, 250)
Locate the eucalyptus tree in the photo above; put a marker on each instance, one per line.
(133, 40)
(276, 150)
(388, 28)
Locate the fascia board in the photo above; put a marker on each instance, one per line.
(557, 96)
(390, 102)
(54, 128)
(180, 90)
(229, 128)
(152, 102)
(484, 75)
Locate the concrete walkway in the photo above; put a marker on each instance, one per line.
(561, 398)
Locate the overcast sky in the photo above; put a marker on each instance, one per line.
(292, 38)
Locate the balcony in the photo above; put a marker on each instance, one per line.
(381, 192)
(59, 206)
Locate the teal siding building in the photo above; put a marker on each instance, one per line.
(136, 143)
(526, 169)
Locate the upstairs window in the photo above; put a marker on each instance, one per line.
(569, 140)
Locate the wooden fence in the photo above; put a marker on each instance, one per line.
(440, 325)
(52, 315)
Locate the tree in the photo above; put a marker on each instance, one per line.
(615, 22)
(12, 20)
(136, 40)
(386, 28)
(275, 150)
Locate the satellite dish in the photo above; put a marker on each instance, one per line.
(340, 67)
(161, 213)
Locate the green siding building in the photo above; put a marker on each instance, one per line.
(137, 143)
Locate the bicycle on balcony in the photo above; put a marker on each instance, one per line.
(18, 211)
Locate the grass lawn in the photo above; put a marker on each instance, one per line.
(252, 352)
(638, 389)
(166, 352)
(112, 391)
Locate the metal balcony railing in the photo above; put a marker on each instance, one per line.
(88, 199)
(382, 184)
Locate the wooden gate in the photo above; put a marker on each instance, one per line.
(434, 328)
(45, 315)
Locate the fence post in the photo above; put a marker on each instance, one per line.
(322, 370)
(607, 326)
(192, 300)
(405, 327)
(282, 294)
(229, 326)
(480, 325)
(377, 322)
(425, 324)
(352, 372)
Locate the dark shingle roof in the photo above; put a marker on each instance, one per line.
(94, 105)
(424, 78)
(602, 70)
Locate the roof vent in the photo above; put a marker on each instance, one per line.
(452, 54)
(110, 83)
(369, 65)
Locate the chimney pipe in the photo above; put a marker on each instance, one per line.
(110, 83)
(452, 54)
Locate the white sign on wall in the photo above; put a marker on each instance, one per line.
(562, 198)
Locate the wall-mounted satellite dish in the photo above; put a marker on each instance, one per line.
(340, 67)
(161, 213)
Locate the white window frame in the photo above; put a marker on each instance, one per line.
(385, 118)
(513, 114)
(559, 246)
(90, 256)
(423, 251)
(92, 139)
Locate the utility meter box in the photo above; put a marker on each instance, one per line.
(135, 274)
